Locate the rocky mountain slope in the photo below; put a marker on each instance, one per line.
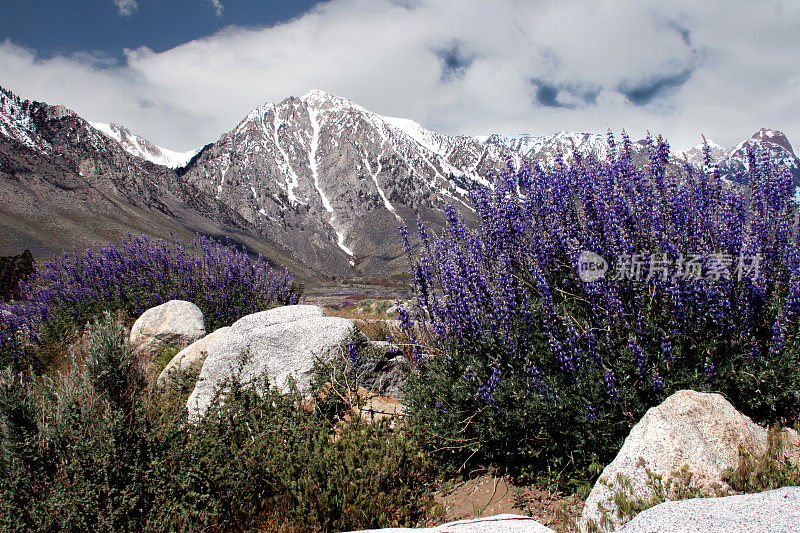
(65, 184)
(143, 148)
(734, 163)
(332, 181)
(317, 183)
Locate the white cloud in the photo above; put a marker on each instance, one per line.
(126, 7)
(218, 7)
(724, 68)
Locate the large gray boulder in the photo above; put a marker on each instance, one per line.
(279, 315)
(177, 323)
(281, 342)
(502, 523)
(776, 511)
(701, 431)
(190, 360)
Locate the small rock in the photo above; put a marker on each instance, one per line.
(776, 511)
(13, 270)
(176, 323)
(389, 348)
(377, 407)
(385, 372)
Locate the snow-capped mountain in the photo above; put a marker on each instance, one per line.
(695, 156)
(65, 184)
(735, 164)
(318, 183)
(322, 165)
(141, 147)
(544, 148)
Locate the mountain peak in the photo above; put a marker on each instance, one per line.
(319, 99)
(735, 165)
(773, 136)
(318, 94)
(695, 155)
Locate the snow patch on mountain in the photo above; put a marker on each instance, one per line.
(381, 193)
(312, 156)
(142, 148)
(291, 178)
(423, 137)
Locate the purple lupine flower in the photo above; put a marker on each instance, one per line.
(139, 273)
(352, 352)
(500, 283)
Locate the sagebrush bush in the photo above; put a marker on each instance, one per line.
(97, 449)
(529, 360)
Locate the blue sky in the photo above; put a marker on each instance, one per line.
(106, 26)
(182, 73)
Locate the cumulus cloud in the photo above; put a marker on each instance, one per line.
(126, 7)
(723, 68)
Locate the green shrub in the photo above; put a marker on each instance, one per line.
(679, 485)
(99, 449)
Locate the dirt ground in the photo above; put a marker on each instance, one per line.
(488, 495)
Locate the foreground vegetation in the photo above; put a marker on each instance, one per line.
(88, 443)
(95, 448)
(130, 277)
(521, 362)
(527, 363)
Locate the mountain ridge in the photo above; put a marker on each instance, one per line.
(144, 148)
(316, 181)
(65, 184)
